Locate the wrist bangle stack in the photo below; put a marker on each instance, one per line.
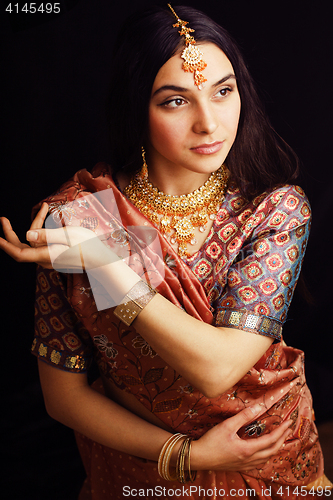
(134, 301)
(163, 465)
(164, 458)
(191, 477)
(185, 450)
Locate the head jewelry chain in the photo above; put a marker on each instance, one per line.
(193, 57)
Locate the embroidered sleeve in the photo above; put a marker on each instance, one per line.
(260, 282)
(60, 338)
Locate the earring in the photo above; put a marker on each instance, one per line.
(144, 169)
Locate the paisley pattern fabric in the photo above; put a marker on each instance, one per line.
(242, 277)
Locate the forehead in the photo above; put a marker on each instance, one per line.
(218, 65)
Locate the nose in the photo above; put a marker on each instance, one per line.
(205, 119)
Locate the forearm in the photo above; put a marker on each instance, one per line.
(70, 400)
(74, 403)
(211, 359)
(107, 423)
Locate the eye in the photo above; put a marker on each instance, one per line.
(174, 103)
(224, 92)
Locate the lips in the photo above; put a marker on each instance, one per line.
(208, 149)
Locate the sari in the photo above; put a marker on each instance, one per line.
(242, 277)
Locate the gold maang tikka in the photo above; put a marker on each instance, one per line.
(193, 57)
(178, 216)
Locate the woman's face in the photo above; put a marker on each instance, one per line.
(192, 130)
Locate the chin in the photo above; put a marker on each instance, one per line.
(208, 167)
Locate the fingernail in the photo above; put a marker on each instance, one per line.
(255, 409)
(32, 236)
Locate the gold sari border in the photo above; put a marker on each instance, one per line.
(250, 322)
(59, 358)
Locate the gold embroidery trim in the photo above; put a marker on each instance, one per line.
(250, 322)
(59, 358)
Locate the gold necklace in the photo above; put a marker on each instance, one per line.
(178, 215)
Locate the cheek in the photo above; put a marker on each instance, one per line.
(164, 133)
(232, 119)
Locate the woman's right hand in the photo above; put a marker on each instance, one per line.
(61, 248)
(21, 252)
(222, 449)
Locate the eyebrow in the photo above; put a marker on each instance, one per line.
(231, 75)
(177, 89)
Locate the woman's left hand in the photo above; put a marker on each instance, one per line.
(222, 449)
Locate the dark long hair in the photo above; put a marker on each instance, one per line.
(259, 159)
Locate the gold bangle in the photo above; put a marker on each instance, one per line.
(181, 476)
(178, 466)
(162, 453)
(134, 301)
(141, 293)
(164, 458)
(167, 457)
(191, 478)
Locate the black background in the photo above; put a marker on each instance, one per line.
(55, 75)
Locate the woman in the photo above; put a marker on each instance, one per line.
(225, 268)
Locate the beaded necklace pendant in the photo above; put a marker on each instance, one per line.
(178, 216)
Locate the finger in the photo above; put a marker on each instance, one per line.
(276, 434)
(261, 457)
(10, 235)
(264, 455)
(61, 236)
(268, 440)
(253, 465)
(38, 221)
(243, 417)
(281, 442)
(269, 444)
(24, 253)
(48, 236)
